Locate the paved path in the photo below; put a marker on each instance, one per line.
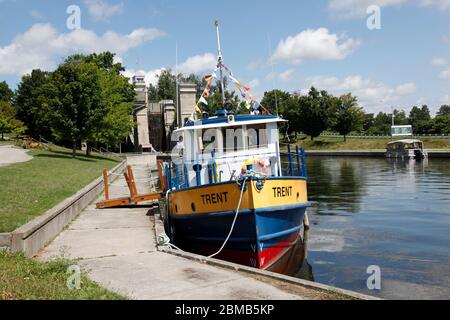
(117, 247)
(10, 155)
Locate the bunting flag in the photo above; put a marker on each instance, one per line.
(203, 100)
(208, 78)
(197, 109)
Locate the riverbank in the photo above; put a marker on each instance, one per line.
(338, 143)
(432, 154)
(31, 188)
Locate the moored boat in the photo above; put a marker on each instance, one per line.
(231, 193)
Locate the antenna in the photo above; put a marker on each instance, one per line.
(220, 61)
(177, 95)
(273, 71)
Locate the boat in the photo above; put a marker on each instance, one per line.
(233, 191)
(406, 149)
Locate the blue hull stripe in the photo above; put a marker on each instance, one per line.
(260, 228)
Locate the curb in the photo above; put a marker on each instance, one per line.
(33, 236)
(349, 295)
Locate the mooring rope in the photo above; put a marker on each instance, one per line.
(235, 219)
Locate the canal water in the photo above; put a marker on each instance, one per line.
(376, 212)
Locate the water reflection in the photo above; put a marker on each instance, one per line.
(385, 212)
(295, 262)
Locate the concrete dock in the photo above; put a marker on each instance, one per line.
(117, 248)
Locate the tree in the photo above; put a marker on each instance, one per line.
(76, 104)
(419, 115)
(444, 110)
(382, 124)
(369, 121)
(6, 94)
(313, 112)
(279, 98)
(116, 95)
(442, 124)
(8, 122)
(32, 103)
(346, 115)
(400, 117)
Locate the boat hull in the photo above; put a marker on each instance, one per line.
(269, 223)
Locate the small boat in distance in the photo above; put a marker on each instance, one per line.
(406, 149)
(231, 193)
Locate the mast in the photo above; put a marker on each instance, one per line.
(220, 62)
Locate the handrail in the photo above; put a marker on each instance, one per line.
(177, 177)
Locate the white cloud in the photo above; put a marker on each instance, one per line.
(406, 88)
(151, 77)
(371, 94)
(254, 83)
(198, 64)
(439, 62)
(36, 14)
(313, 44)
(445, 74)
(358, 8)
(440, 4)
(42, 46)
(445, 64)
(102, 10)
(283, 76)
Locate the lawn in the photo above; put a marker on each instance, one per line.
(22, 278)
(337, 143)
(29, 189)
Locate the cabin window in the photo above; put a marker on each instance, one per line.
(257, 136)
(233, 139)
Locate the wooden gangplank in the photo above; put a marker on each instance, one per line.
(134, 198)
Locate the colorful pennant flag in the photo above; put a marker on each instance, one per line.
(203, 100)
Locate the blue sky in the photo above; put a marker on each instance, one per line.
(324, 43)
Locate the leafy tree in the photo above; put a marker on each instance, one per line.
(313, 113)
(382, 124)
(76, 104)
(400, 117)
(6, 94)
(117, 123)
(419, 115)
(8, 122)
(277, 97)
(32, 104)
(444, 110)
(346, 116)
(369, 121)
(441, 124)
(117, 95)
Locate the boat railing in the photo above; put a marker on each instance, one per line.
(293, 161)
(293, 164)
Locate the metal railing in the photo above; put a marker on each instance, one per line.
(292, 164)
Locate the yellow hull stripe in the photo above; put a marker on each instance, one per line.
(225, 197)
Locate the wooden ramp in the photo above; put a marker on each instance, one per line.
(134, 197)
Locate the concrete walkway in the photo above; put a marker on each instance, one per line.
(117, 247)
(10, 155)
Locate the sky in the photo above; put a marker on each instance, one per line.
(285, 44)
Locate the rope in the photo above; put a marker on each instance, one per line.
(234, 221)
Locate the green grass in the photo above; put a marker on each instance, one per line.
(337, 143)
(29, 189)
(22, 278)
